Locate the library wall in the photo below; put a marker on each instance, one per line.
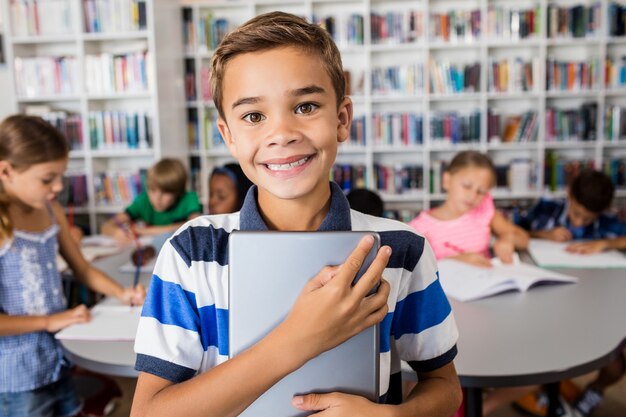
(7, 104)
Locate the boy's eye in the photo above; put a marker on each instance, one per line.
(306, 108)
(253, 117)
(47, 181)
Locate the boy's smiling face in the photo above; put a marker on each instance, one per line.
(282, 121)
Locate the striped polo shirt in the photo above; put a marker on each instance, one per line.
(183, 329)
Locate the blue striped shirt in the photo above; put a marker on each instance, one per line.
(183, 329)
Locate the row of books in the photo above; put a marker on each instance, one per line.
(116, 188)
(617, 19)
(399, 179)
(69, 124)
(513, 129)
(210, 132)
(512, 75)
(349, 176)
(398, 129)
(572, 75)
(579, 124)
(41, 17)
(190, 80)
(45, 76)
(119, 130)
(358, 132)
(455, 26)
(615, 123)
(114, 15)
(398, 80)
(74, 191)
(345, 29)
(574, 22)
(559, 172)
(615, 72)
(453, 127)
(111, 73)
(446, 78)
(207, 33)
(616, 169)
(504, 22)
(397, 27)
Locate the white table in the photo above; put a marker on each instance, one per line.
(538, 337)
(112, 358)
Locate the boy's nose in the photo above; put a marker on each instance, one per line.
(284, 132)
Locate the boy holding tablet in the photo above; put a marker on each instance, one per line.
(279, 89)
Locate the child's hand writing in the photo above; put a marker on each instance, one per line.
(504, 250)
(58, 321)
(329, 310)
(337, 404)
(558, 234)
(122, 236)
(585, 248)
(133, 295)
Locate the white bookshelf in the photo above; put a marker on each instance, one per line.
(360, 59)
(162, 100)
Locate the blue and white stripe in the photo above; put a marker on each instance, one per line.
(184, 325)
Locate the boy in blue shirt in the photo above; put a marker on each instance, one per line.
(579, 217)
(279, 89)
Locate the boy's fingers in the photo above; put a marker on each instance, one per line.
(373, 275)
(353, 263)
(313, 401)
(322, 278)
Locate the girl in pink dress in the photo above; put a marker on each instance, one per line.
(461, 228)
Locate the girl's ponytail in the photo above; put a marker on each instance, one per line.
(6, 226)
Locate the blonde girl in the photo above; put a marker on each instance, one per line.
(34, 377)
(461, 228)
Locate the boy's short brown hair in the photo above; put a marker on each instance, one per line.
(276, 30)
(169, 176)
(593, 190)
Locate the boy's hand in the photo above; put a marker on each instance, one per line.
(329, 310)
(337, 404)
(504, 250)
(133, 295)
(473, 258)
(123, 237)
(585, 248)
(58, 321)
(559, 234)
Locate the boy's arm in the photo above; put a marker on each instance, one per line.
(328, 311)
(599, 245)
(111, 228)
(438, 394)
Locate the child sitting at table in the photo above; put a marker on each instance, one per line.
(163, 208)
(580, 216)
(462, 226)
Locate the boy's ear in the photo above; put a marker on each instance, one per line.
(344, 117)
(227, 136)
(5, 170)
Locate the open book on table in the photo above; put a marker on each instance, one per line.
(466, 282)
(108, 323)
(549, 254)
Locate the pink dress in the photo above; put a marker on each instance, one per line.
(469, 233)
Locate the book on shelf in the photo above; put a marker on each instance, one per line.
(549, 254)
(465, 282)
(108, 16)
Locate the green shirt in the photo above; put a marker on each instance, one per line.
(141, 209)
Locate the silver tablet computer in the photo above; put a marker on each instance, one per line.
(267, 273)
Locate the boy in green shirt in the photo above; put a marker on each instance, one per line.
(163, 208)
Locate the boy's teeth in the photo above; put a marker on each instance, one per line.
(285, 167)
